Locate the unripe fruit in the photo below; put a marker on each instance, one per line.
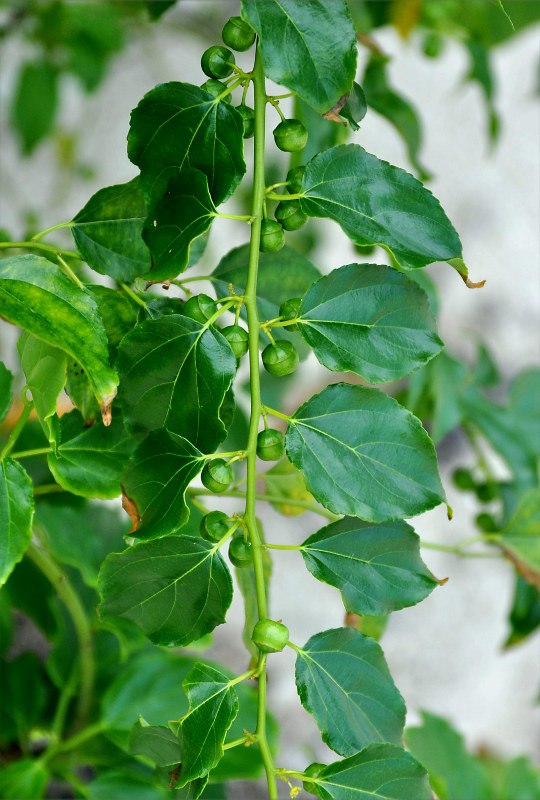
(237, 338)
(280, 358)
(270, 636)
(270, 445)
(214, 526)
(433, 45)
(200, 307)
(272, 237)
(240, 552)
(215, 88)
(295, 178)
(217, 475)
(238, 34)
(248, 117)
(486, 522)
(290, 215)
(290, 135)
(486, 492)
(290, 310)
(216, 62)
(464, 479)
(312, 771)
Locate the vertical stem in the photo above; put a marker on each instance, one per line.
(250, 297)
(15, 433)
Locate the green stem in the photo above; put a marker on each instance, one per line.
(74, 742)
(280, 197)
(242, 217)
(39, 451)
(135, 297)
(40, 246)
(250, 300)
(274, 413)
(236, 742)
(284, 546)
(48, 488)
(51, 229)
(16, 432)
(71, 600)
(457, 551)
(69, 272)
(270, 498)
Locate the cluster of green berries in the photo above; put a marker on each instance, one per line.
(289, 215)
(486, 492)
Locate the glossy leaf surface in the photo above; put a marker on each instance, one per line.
(378, 772)
(344, 682)
(6, 379)
(377, 568)
(320, 69)
(16, 513)
(364, 455)
(44, 367)
(371, 320)
(36, 295)
(108, 232)
(376, 203)
(176, 589)
(175, 374)
(177, 125)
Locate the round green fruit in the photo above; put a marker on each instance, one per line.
(248, 117)
(217, 475)
(290, 135)
(200, 307)
(290, 215)
(238, 34)
(464, 479)
(215, 88)
(280, 358)
(270, 445)
(486, 492)
(295, 179)
(214, 526)
(217, 61)
(272, 237)
(290, 310)
(486, 522)
(240, 552)
(270, 636)
(237, 338)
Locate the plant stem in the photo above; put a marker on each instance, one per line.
(48, 488)
(73, 742)
(69, 272)
(15, 433)
(241, 217)
(250, 300)
(51, 229)
(49, 248)
(135, 297)
(71, 600)
(270, 498)
(457, 551)
(284, 546)
(39, 451)
(280, 197)
(274, 413)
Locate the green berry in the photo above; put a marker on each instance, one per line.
(464, 479)
(295, 179)
(216, 62)
(290, 310)
(248, 117)
(290, 135)
(486, 492)
(270, 445)
(240, 552)
(290, 215)
(270, 636)
(217, 475)
(486, 522)
(280, 358)
(238, 34)
(237, 338)
(214, 526)
(272, 237)
(312, 771)
(200, 307)
(215, 88)
(433, 45)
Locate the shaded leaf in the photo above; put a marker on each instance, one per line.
(35, 103)
(158, 7)
(524, 615)
(285, 481)
(176, 589)
(25, 779)
(355, 108)
(44, 367)
(344, 682)
(16, 513)
(363, 454)
(6, 395)
(520, 538)
(155, 742)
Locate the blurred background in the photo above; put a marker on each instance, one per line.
(72, 72)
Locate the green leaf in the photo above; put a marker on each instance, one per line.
(185, 213)
(524, 615)
(213, 705)
(284, 480)
(16, 513)
(36, 295)
(398, 111)
(520, 780)
(34, 103)
(89, 461)
(454, 773)
(363, 454)
(344, 682)
(184, 596)
(25, 697)
(177, 125)
(45, 369)
(378, 772)
(6, 395)
(174, 374)
(447, 377)
(371, 320)
(308, 47)
(156, 742)
(520, 538)
(158, 7)
(25, 779)
(481, 72)
(355, 107)
(377, 568)
(108, 232)
(376, 203)
(119, 783)
(155, 482)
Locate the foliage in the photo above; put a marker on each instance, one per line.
(153, 385)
